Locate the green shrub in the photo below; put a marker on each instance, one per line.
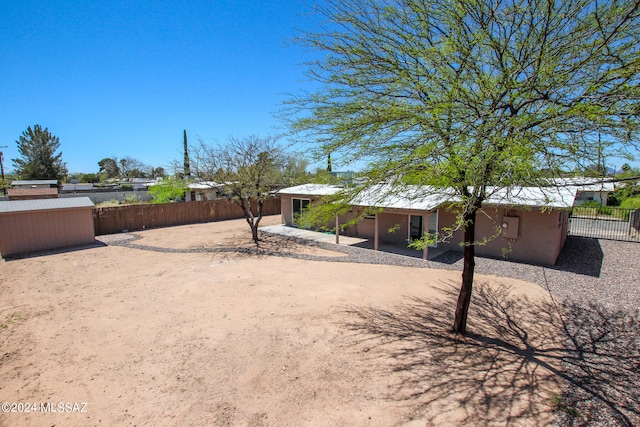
(131, 198)
(168, 190)
(631, 203)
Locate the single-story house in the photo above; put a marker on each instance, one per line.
(529, 224)
(36, 225)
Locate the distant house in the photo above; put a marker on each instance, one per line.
(32, 193)
(203, 190)
(36, 225)
(588, 189)
(530, 224)
(140, 184)
(74, 187)
(344, 177)
(35, 183)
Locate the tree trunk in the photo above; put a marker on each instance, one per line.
(256, 222)
(254, 232)
(245, 205)
(464, 298)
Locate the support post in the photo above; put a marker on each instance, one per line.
(375, 235)
(337, 231)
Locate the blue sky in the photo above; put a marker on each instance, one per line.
(124, 78)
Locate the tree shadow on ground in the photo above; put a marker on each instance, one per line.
(581, 255)
(601, 367)
(449, 257)
(509, 368)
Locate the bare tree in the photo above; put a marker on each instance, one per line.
(133, 168)
(246, 171)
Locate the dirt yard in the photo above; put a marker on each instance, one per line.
(122, 336)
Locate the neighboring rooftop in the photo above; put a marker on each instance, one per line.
(35, 182)
(204, 185)
(311, 190)
(585, 184)
(78, 186)
(45, 204)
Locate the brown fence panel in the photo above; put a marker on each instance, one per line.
(115, 219)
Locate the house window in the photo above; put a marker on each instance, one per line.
(297, 207)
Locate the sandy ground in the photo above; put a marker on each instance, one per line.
(128, 337)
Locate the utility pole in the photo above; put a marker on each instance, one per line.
(1, 161)
(2, 167)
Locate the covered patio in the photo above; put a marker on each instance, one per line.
(528, 224)
(366, 243)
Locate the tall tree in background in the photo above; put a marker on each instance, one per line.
(471, 95)
(294, 170)
(109, 167)
(39, 160)
(187, 167)
(247, 171)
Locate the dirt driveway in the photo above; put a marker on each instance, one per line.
(199, 333)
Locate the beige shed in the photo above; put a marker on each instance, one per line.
(37, 225)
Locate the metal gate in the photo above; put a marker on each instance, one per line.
(605, 222)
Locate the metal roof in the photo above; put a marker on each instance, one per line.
(428, 198)
(553, 197)
(45, 204)
(311, 190)
(205, 185)
(415, 197)
(36, 182)
(585, 184)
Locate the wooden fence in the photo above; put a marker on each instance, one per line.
(115, 219)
